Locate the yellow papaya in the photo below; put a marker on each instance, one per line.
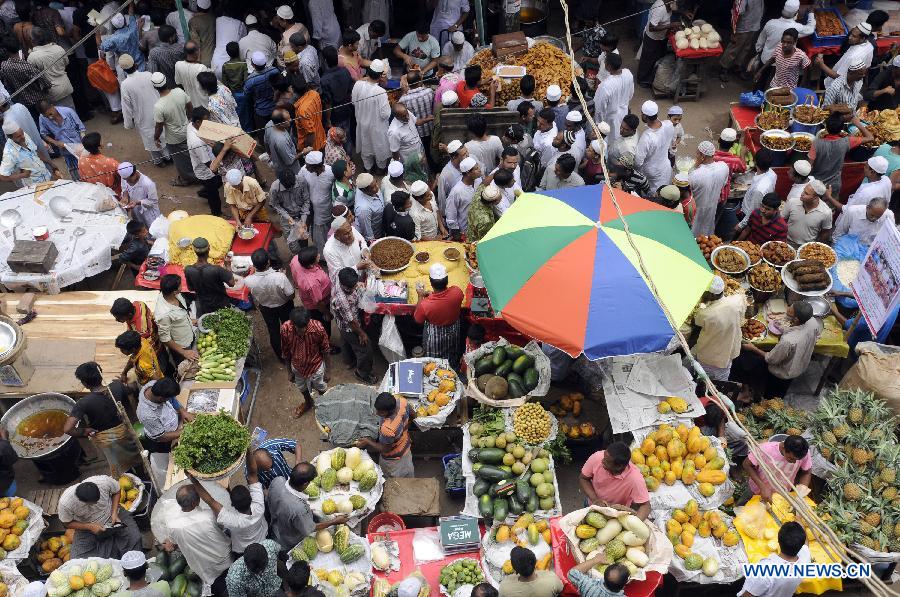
(682, 550)
(687, 538)
(715, 477)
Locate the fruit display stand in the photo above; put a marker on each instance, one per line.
(97, 576)
(441, 391)
(497, 544)
(332, 569)
(430, 570)
(564, 560)
(472, 506)
(758, 528)
(17, 549)
(478, 366)
(341, 491)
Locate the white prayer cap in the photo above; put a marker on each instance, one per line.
(449, 98)
(337, 223)
(603, 127)
(132, 560)
(554, 93)
(35, 589)
(573, 116)
(204, 4)
(126, 169)
(125, 61)
(376, 66)
(258, 58)
(675, 111)
(118, 20)
(595, 145)
(649, 108)
(467, 164)
(395, 169)
(250, 20)
(9, 127)
(802, 167)
(896, 61)
(313, 158)
(416, 189)
(411, 586)
(791, 6)
(717, 286)
(707, 148)
(682, 180)
(458, 37)
(454, 146)
(437, 271)
(234, 177)
(158, 79)
(878, 164)
(364, 180)
(817, 185)
(491, 192)
(285, 12)
(865, 28)
(728, 135)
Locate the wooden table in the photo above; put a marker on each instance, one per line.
(70, 328)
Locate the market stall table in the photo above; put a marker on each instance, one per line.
(882, 45)
(692, 61)
(70, 328)
(84, 238)
(458, 274)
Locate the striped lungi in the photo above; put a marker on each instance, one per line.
(441, 341)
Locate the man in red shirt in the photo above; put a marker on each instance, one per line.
(305, 347)
(736, 165)
(438, 311)
(608, 477)
(765, 222)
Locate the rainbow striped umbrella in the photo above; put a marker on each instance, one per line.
(559, 268)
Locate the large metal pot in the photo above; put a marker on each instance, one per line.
(24, 409)
(533, 17)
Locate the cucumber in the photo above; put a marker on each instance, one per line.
(485, 505)
(484, 365)
(531, 378)
(515, 506)
(491, 473)
(523, 491)
(503, 369)
(498, 356)
(523, 363)
(532, 504)
(501, 509)
(490, 455)
(481, 487)
(516, 389)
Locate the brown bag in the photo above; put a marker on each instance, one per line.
(876, 371)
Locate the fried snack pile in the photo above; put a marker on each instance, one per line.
(708, 243)
(752, 328)
(828, 23)
(729, 260)
(818, 252)
(809, 114)
(777, 142)
(764, 277)
(545, 62)
(778, 252)
(885, 124)
(809, 274)
(776, 118)
(750, 248)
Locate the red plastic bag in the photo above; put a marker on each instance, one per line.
(102, 77)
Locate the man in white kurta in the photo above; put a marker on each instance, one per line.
(652, 155)
(460, 199)
(719, 342)
(877, 185)
(859, 51)
(325, 26)
(138, 97)
(770, 36)
(613, 96)
(450, 175)
(448, 15)
(707, 180)
(405, 143)
(372, 114)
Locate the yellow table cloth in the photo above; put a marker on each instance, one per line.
(457, 271)
(831, 341)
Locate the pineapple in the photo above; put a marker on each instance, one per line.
(864, 527)
(889, 493)
(758, 410)
(869, 542)
(828, 438)
(840, 431)
(852, 491)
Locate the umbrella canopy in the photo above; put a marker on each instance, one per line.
(558, 267)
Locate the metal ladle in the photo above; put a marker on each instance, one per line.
(10, 218)
(77, 233)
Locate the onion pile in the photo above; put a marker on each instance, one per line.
(700, 36)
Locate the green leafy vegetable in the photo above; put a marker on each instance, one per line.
(211, 443)
(490, 418)
(232, 330)
(558, 449)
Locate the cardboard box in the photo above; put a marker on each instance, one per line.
(32, 256)
(505, 44)
(214, 132)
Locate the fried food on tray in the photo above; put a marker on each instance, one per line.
(545, 62)
(708, 243)
(809, 274)
(729, 260)
(764, 277)
(752, 329)
(777, 252)
(774, 119)
(802, 143)
(732, 286)
(777, 142)
(828, 23)
(809, 114)
(391, 254)
(821, 253)
(780, 96)
(750, 248)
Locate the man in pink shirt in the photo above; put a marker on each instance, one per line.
(313, 287)
(608, 477)
(790, 456)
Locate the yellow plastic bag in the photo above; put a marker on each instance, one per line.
(214, 229)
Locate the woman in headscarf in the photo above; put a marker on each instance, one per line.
(335, 141)
(342, 188)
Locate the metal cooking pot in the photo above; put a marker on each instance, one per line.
(9, 336)
(29, 406)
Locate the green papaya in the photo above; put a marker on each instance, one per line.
(504, 368)
(162, 587)
(194, 589)
(484, 365)
(523, 491)
(485, 505)
(498, 356)
(501, 509)
(490, 455)
(531, 378)
(513, 352)
(516, 389)
(515, 506)
(481, 487)
(532, 504)
(523, 363)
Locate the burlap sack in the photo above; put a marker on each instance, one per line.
(877, 371)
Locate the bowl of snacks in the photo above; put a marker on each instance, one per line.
(818, 252)
(708, 243)
(776, 118)
(781, 97)
(809, 115)
(806, 277)
(764, 280)
(729, 260)
(391, 254)
(423, 256)
(753, 330)
(451, 254)
(777, 140)
(750, 248)
(776, 253)
(803, 142)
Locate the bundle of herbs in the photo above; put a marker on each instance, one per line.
(211, 443)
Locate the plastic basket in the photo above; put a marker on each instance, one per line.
(384, 522)
(455, 491)
(830, 40)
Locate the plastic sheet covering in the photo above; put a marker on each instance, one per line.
(347, 412)
(12, 578)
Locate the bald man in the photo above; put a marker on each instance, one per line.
(270, 460)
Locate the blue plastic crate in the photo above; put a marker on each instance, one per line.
(458, 491)
(830, 40)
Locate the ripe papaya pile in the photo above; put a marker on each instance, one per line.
(681, 454)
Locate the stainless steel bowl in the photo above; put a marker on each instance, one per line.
(60, 206)
(27, 407)
(8, 338)
(820, 306)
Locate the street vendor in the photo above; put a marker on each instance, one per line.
(139, 195)
(406, 146)
(827, 153)
(163, 417)
(90, 508)
(173, 320)
(290, 515)
(877, 184)
(245, 198)
(808, 217)
(859, 51)
(438, 311)
(790, 456)
(270, 460)
(609, 478)
(22, 163)
(615, 577)
(527, 581)
(707, 180)
(763, 182)
(207, 281)
(845, 90)
(720, 322)
(393, 444)
(141, 358)
(95, 417)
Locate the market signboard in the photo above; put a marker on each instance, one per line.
(877, 286)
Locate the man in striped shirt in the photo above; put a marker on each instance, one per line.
(270, 460)
(846, 89)
(393, 442)
(765, 222)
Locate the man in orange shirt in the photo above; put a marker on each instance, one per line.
(393, 441)
(310, 132)
(96, 167)
(609, 477)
